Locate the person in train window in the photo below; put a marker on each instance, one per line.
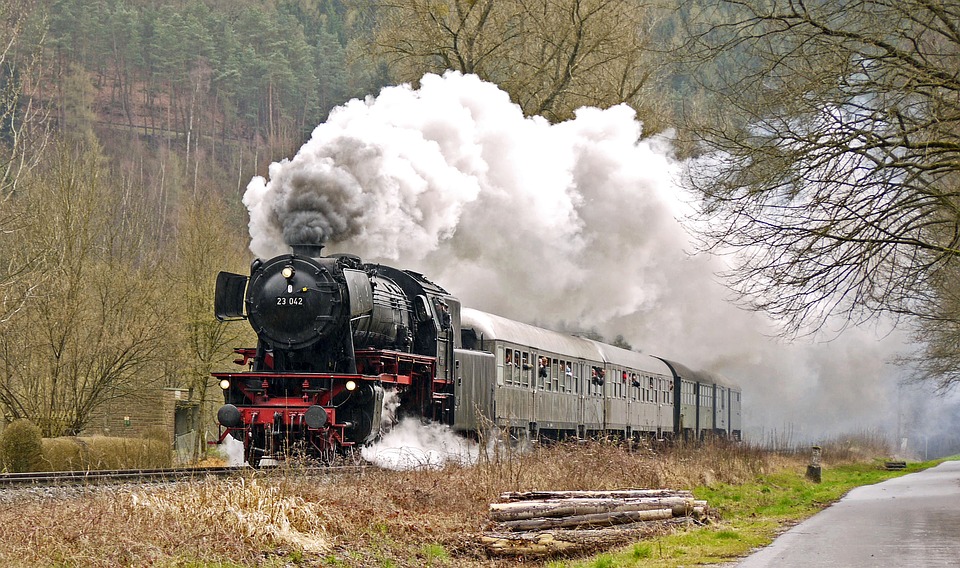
(634, 380)
(444, 312)
(599, 375)
(543, 362)
(509, 358)
(569, 371)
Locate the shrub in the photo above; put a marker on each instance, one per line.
(102, 452)
(65, 454)
(158, 433)
(21, 447)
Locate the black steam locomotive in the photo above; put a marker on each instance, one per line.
(336, 336)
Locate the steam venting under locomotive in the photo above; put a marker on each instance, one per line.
(333, 334)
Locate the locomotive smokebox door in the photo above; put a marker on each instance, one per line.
(228, 301)
(294, 302)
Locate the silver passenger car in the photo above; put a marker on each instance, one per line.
(706, 406)
(541, 383)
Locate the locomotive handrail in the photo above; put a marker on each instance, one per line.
(292, 374)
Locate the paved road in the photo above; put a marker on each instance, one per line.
(912, 521)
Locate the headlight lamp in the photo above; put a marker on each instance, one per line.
(224, 384)
(351, 385)
(288, 272)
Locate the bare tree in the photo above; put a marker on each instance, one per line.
(551, 56)
(938, 361)
(23, 135)
(829, 166)
(206, 241)
(93, 328)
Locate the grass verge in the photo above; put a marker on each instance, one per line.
(429, 517)
(751, 515)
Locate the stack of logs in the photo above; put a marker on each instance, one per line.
(546, 523)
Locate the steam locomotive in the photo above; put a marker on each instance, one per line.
(337, 338)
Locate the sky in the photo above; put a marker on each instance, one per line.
(569, 226)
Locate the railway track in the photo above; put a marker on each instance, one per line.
(66, 478)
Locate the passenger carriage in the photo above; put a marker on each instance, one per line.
(534, 382)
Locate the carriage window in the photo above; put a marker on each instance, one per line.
(499, 366)
(525, 369)
(595, 386)
(516, 368)
(508, 367)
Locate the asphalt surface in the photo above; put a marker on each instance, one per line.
(910, 521)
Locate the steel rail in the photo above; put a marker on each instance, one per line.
(56, 478)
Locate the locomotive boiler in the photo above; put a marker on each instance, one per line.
(335, 338)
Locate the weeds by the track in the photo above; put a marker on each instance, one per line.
(425, 517)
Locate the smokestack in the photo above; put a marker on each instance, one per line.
(311, 250)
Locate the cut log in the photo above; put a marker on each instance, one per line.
(614, 494)
(567, 541)
(544, 523)
(599, 519)
(519, 510)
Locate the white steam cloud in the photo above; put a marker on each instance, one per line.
(572, 225)
(412, 445)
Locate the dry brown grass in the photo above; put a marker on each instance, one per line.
(102, 452)
(377, 518)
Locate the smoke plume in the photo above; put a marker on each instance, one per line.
(573, 226)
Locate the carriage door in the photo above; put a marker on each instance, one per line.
(658, 399)
(579, 389)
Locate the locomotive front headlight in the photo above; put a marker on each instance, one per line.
(287, 272)
(351, 385)
(224, 384)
